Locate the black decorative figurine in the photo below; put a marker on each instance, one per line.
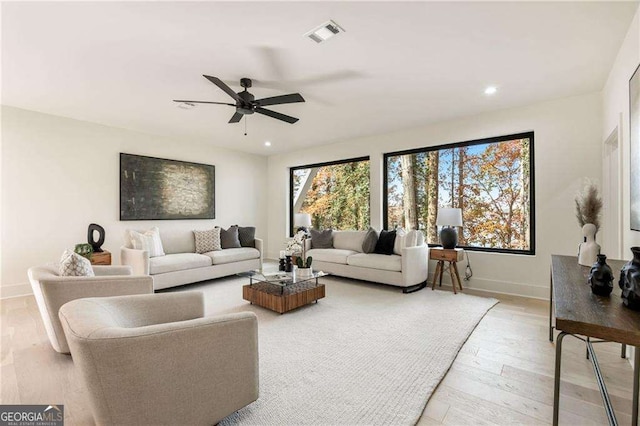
(288, 265)
(630, 281)
(281, 265)
(95, 244)
(601, 277)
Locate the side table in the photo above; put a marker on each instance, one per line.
(101, 258)
(446, 255)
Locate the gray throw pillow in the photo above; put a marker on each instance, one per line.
(247, 236)
(370, 240)
(229, 238)
(321, 239)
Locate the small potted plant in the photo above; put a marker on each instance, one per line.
(304, 262)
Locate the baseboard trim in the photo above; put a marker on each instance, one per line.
(15, 290)
(500, 287)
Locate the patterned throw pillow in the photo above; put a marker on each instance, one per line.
(208, 240)
(247, 236)
(370, 240)
(229, 238)
(149, 241)
(321, 239)
(74, 265)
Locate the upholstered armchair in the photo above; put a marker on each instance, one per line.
(52, 291)
(156, 360)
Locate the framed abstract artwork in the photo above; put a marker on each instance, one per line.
(160, 189)
(634, 142)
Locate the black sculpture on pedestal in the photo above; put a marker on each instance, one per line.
(630, 281)
(95, 244)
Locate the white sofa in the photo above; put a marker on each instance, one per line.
(182, 265)
(408, 270)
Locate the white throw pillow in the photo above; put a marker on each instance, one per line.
(208, 240)
(400, 242)
(74, 265)
(149, 240)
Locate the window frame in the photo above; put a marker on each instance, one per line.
(532, 207)
(328, 163)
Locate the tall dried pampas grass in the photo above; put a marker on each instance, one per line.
(589, 206)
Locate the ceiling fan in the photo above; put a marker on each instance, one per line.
(247, 104)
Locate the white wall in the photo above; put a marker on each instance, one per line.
(615, 97)
(59, 175)
(567, 149)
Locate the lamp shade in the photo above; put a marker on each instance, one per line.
(302, 219)
(449, 217)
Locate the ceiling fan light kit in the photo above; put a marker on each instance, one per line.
(247, 104)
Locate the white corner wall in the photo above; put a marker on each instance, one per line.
(59, 175)
(567, 149)
(615, 101)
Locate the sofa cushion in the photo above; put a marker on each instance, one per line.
(370, 240)
(177, 262)
(247, 236)
(74, 265)
(321, 239)
(148, 240)
(386, 241)
(330, 255)
(376, 261)
(208, 240)
(233, 255)
(229, 237)
(349, 240)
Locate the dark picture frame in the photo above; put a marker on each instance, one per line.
(161, 189)
(634, 150)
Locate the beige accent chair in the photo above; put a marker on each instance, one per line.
(156, 360)
(52, 291)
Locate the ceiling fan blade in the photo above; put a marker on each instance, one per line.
(228, 90)
(202, 102)
(236, 118)
(276, 115)
(284, 99)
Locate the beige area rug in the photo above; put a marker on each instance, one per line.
(365, 354)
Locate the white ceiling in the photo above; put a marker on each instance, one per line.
(398, 65)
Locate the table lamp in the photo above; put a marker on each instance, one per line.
(302, 222)
(448, 218)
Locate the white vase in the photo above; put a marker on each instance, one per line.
(589, 250)
(304, 272)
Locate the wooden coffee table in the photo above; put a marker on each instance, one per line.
(282, 292)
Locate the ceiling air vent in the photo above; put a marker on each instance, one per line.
(324, 32)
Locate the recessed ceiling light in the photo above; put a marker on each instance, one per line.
(491, 90)
(186, 105)
(324, 32)
(267, 143)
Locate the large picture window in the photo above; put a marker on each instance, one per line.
(490, 180)
(335, 195)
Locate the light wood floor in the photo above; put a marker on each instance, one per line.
(503, 374)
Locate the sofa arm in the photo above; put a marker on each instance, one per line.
(137, 259)
(104, 270)
(191, 372)
(415, 265)
(259, 245)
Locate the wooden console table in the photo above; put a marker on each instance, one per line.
(101, 258)
(579, 312)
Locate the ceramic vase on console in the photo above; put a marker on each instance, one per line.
(601, 277)
(630, 281)
(589, 249)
